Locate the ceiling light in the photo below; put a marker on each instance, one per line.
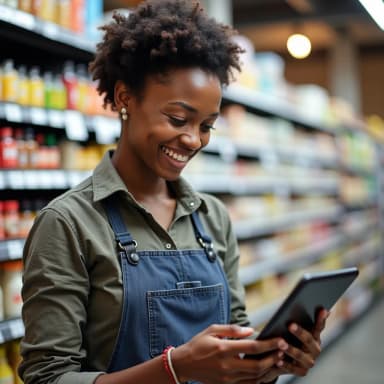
(376, 10)
(299, 46)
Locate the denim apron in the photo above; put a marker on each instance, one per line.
(168, 296)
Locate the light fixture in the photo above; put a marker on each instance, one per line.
(376, 10)
(299, 46)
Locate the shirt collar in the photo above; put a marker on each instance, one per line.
(107, 181)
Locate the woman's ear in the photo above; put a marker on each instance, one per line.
(122, 96)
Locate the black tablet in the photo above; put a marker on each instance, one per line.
(314, 291)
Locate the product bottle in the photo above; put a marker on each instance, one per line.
(8, 148)
(36, 88)
(2, 229)
(53, 152)
(48, 90)
(26, 218)
(25, 5)
(63, 13)
(10, 82)
(11, 218)
(31, 147)
(70, 84)
(12, 284)
(6, 374)
(22, 154)
(14, 359)
(23, 87)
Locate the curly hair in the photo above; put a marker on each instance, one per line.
(158, 36)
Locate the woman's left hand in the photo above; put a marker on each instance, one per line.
(304, 358)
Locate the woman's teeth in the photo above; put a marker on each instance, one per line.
(174, 155)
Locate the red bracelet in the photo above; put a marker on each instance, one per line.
(167, 362)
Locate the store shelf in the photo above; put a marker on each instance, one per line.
(238, 185)
(307, 255)
(229, 149)
(261, 103)
(40, 179)
(255, 227)
(76, 124)
(11, 330)
(26, 29)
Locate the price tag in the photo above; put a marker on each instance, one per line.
(59, 180)
(106, 129)
(7, 14)
(31, 179)
(50, 30)
(75, 127)
(56, 118)
(15, 179)
(13, 112)
(45, 179)
(2, 180)
(15, 249)
(25, 20)
(38, 116)
(16, 328)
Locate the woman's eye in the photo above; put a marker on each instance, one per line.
(176, 121)
(207, 127)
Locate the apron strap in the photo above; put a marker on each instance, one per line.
(204, 240)
(123, 238)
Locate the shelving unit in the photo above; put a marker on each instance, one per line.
(292, 173)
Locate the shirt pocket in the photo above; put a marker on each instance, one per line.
(176, 315)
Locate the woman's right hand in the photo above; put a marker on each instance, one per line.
(212, 356)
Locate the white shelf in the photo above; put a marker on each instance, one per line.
(275, 107)
(255, 227)
(47, 30)
(307, 255)
(237, 185)
(76, 124)
(41, 179)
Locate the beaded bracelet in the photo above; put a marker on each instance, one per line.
(167, 362)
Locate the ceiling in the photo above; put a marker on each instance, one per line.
(268, 23)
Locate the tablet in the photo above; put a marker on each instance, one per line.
(314, 291)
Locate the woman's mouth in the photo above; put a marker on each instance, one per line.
(174, 155)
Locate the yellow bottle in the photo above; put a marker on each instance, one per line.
(14, 358)
(23, 88)
(6, 374)
(10, 82)
(36, 87)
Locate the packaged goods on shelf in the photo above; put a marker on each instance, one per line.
(11, 284)
(6, 373)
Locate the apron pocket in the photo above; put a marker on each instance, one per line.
(176, 315)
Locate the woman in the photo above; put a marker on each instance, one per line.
(133, 260)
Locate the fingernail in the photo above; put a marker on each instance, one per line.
(294, 328)
(280, 355)
(280, 363)
(246, 329)
(283, 345)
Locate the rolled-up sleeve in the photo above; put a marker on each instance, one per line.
(55, 292)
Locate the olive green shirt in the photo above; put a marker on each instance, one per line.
(73, 289)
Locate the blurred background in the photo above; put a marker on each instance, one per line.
(297, 156)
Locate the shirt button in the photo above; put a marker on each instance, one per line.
(168, 246)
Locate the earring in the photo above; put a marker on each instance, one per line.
(124, 114)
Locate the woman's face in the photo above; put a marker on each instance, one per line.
(170, 122)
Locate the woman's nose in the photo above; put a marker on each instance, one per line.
(191, 139)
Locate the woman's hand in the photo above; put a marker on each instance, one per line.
(212, 358)
(304, 358)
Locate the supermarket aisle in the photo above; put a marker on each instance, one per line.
(357, 357)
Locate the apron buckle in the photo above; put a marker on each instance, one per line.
(129, 250)
(208, 249)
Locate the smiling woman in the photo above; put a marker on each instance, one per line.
(132, 276)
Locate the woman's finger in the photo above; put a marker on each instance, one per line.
(310, 343)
